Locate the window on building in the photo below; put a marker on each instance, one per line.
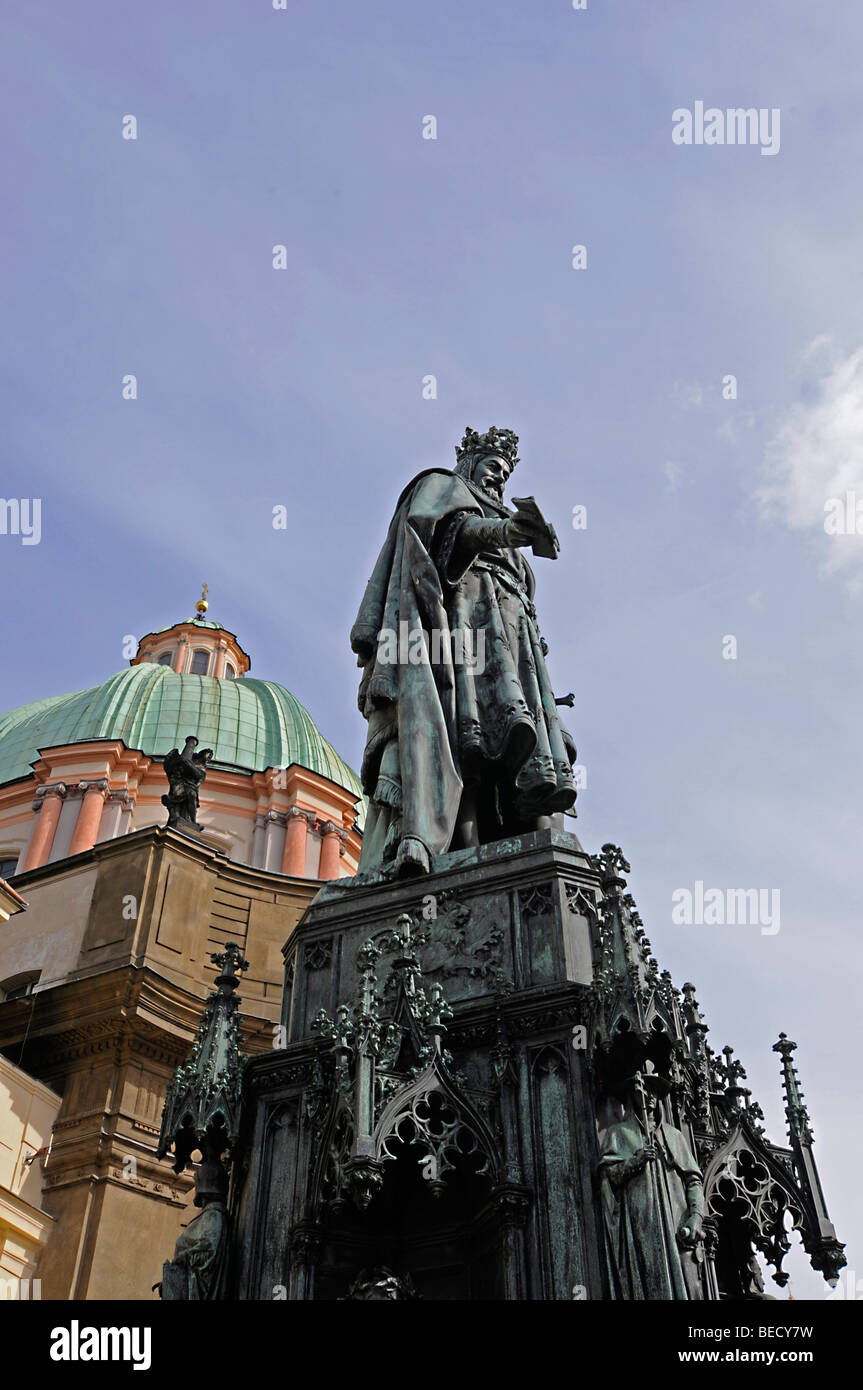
(230, 673)
(200, 662)
(8, 866)
(18, 986)
(165, 658)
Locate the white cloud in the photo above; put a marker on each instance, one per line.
(732, 426)
(687, 395)
(819, 343)
(817, 454)
(673, 473)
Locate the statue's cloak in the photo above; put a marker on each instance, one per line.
(642, 1217)
(433, 722)
(199, 1269)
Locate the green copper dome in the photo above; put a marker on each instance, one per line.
(249, 724)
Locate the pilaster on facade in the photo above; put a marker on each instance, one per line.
(259, 835)
(47, 806)
(85, 834)
(274, 843)
(116, 814)
(298, 823)
(333, 844)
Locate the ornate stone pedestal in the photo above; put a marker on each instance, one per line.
(454, 1149)
(483, 1087)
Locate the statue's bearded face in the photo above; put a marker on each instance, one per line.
(490, 473)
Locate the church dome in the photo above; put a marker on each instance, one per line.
(82, 768)
(251, 725)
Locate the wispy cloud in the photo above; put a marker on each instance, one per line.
(816, 456)
(673, 473)
(687, 395)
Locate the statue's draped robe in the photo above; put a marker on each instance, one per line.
(184, 780)
(642, 1216)
(199, 1268)
(437, 724)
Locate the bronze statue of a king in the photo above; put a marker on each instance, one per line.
(465, 744)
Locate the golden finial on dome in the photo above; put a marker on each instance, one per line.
(202, 604)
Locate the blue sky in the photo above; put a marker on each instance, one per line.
(452, 257)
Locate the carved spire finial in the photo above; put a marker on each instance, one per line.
(799, 1126)
(202, 1103)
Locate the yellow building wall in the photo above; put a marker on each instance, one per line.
(27, 1114)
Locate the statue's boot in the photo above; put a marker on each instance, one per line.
(412, 859)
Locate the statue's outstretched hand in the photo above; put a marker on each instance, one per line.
(523, 529)
(691, 1230)
(529, 527)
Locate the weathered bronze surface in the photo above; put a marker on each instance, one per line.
(653, 1201)
(465, 744)
(199, 1269)
(488, 1087)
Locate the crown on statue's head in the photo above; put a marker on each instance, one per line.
(495, 441)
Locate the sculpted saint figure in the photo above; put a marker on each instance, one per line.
(185, 773)
(653, 1205)
(380, 1285)
(465, 744)
(199, 1268)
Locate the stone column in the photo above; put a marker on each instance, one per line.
(332, 845)
(259, 840)
(112, 815)
(87, 825)
(221, 658)
(513, 1209)
(51, 804)
(129, 801)
(180, 656)
(294, 858)
(274, 845)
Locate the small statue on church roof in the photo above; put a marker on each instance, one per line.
(185, 772)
